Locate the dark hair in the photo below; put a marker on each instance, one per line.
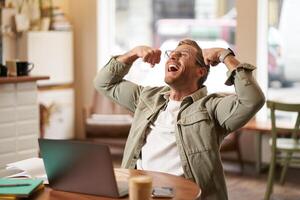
(199, 58)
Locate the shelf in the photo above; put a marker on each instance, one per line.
(61, 86)
(19, 79)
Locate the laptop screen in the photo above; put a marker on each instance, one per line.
(79, 166)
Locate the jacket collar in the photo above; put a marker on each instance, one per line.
(202, 92)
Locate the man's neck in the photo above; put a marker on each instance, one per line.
(178, 95)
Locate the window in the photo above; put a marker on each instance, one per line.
(162, 23)
(283, 50)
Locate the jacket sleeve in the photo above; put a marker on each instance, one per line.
(110, 82)
(233, 111)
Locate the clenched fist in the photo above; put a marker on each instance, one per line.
(148, 54)
(211, 56)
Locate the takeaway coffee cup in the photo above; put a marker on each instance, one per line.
(24, 67)
(140, 187)
(3, 70)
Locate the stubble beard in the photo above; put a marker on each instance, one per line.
(173, 82)
(170, 80)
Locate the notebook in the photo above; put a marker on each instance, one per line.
(19, 187)
(82, 167)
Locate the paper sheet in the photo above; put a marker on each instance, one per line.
(30, 168)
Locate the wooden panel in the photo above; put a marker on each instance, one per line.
(28, 127)
(7, 130)
(26, 97)
(7, 158)
(7, 99)
(7, 115)
(7, 145)
(27, 112)
(19, 118)
(27, 143)
(22, 155)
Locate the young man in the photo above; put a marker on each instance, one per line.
(178, 128)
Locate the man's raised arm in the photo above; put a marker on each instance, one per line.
(109, 80)
(234, 111)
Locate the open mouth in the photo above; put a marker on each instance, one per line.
(172, 68)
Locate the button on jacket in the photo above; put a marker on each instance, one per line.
(202, 123)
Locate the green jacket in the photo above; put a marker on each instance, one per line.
(202, 123)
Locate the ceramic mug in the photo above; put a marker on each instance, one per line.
(24, 67)
(3, 71)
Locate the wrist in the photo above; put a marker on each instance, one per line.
(225, 53)
(231, 62)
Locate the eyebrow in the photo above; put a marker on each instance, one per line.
(183, 50)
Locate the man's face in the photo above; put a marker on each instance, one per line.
(181, 70)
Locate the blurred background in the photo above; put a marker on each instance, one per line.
(70, 40)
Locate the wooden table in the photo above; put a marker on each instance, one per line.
(260, 128)
(184, 189)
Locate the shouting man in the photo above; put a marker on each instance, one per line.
(178, 128)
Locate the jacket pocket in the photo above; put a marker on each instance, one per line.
(196, 130)
(193, 118)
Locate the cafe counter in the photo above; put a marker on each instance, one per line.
(19, 118)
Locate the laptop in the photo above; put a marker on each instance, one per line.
(83, 167)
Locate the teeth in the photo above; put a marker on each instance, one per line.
(172, 67)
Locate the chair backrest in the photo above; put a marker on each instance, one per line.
(287, 107)
(103, 105)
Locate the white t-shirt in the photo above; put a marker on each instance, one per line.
(160, 152)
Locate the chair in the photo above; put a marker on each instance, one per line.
(108, 123)
(283, 149)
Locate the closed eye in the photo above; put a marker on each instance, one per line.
(184, 53)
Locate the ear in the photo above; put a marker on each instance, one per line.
(201, 71)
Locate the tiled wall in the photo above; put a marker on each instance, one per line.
(19, 122)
